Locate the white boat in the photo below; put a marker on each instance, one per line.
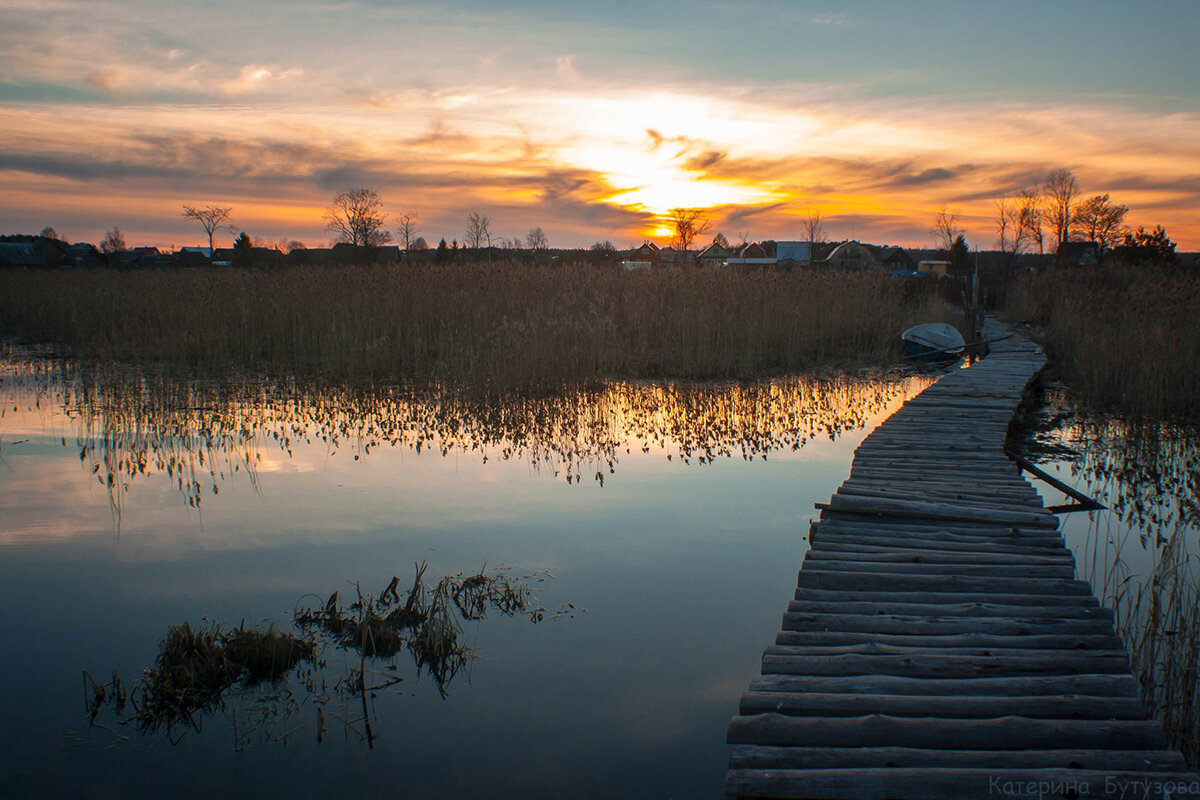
(933, 340)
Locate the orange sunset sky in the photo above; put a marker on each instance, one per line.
(591, 120)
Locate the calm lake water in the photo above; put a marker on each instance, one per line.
(664, 525)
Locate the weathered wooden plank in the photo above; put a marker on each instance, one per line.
(1001, 406)
(882, 599)
(919, 484)
(1030, 608)
(906, 473)
(944, 666)
(997, 490)
(864, 523)
(967, 636)
(943, 511)
(840, 704)
(959, 784)
(997, 500)
(941, 467)
(906, 563)
(973, 457)
(876, 582)
(900, 538)
(867, 543)
(859, 525)
(929, 650)
(1012, 571)
(1000, 733)
(1098, 685)
(748, 756)
(942, 492)
(833, 552)
(883, 624)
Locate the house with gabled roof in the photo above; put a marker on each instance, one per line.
(850, 255)
(753, 255)
(714, 255)
(83, 255)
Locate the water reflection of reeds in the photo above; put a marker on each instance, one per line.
(1142, 555)
(199, 434)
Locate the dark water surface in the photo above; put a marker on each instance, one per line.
(1141, 553)
(671, 519)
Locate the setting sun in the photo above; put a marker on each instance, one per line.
(664, 231)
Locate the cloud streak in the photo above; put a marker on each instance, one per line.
(576, 125)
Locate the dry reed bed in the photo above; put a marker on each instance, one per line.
(498, 326)
(1124, 338)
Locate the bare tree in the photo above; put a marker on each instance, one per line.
(743, 238)
(946, 228)
(1010, 233)
(1100, 221)
(721, 240)
(407, 230)
(356, 216)
(688, 224)
(113, 241)
(479, 231)
(211, 218)
(1060, 191)
(49, 232)
(536, 239)
(1031, 215)
(814, 227)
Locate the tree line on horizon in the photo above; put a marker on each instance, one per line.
(1042, 218)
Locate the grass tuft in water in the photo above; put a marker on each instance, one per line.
(200, 670)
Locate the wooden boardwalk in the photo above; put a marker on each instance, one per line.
(939, 646)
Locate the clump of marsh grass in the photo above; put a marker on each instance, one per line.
(427, 621)
(478, 327)
(195, 669)
(200, 670)
(1123, 338)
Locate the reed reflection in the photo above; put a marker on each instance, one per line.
(1146, 471)
(1141, 555)
(131, 425)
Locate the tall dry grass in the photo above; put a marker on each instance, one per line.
(499, 326)
(1125, 338)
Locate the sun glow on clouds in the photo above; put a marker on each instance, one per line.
(588, 123)
(552, 156)
(884, 166)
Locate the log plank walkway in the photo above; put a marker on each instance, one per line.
(939, 646)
